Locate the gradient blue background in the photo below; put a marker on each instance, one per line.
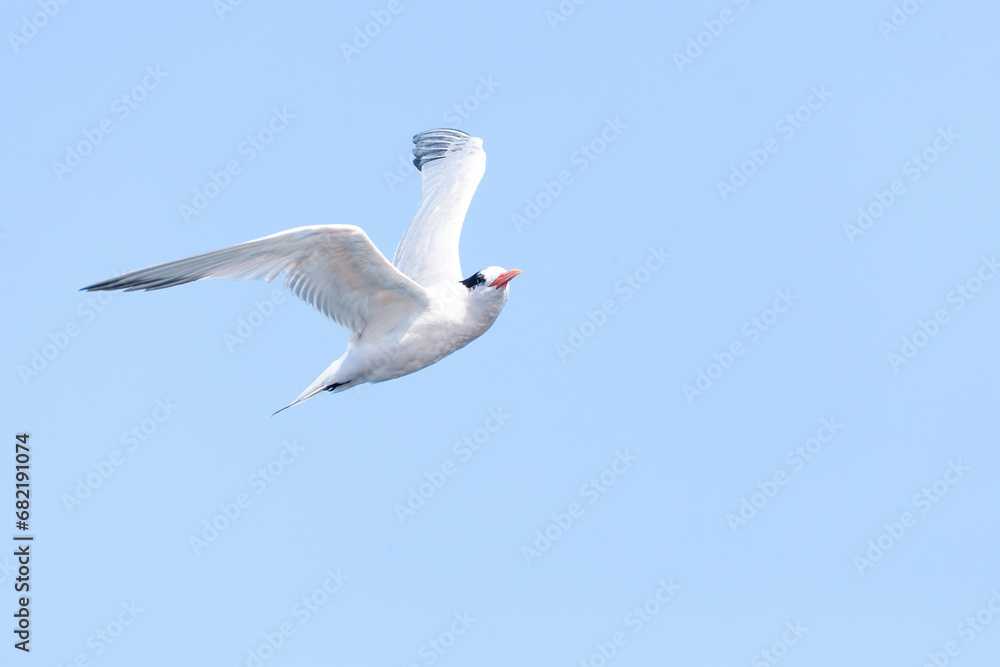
(553, 90)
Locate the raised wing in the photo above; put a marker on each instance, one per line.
(452, 164)
(334, 268)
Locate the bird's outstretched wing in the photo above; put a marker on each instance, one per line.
(452, 164)
(334, 268)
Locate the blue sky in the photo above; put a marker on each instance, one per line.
(739, 409)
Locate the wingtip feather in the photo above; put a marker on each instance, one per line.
(434, 145)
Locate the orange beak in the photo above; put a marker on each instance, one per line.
(504, 278)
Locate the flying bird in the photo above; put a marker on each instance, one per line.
(402, 316)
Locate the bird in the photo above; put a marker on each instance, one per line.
(402, 316)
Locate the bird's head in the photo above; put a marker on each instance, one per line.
(490, 283)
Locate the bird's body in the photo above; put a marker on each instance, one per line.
(450, 322)
(402, 316)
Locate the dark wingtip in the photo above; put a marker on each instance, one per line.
(97, 287)
(434, 144)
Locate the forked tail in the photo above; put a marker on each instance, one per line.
(328, 381)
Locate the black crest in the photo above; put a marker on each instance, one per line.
(472, 281)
